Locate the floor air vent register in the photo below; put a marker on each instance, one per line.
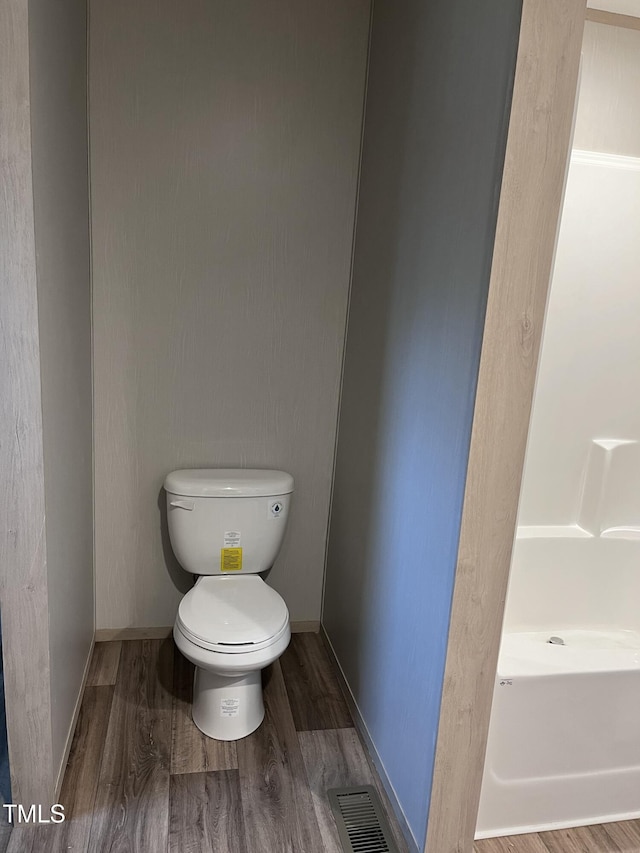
(362, 825)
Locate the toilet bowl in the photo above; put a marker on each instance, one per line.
(231, 629)
(227, 525)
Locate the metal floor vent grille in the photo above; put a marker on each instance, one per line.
(362, 824)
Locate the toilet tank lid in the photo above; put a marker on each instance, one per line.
(228, 482)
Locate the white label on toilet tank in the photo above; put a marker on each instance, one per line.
(232, 539)
(229, 707)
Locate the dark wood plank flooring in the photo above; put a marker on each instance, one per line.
(141, 778)
(206, 813)
(314, 693)
(278, 809)
(104, 664)
(134, 775)
(5, 834)
(603, 838)
(335, 758)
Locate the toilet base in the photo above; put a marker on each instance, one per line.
(227, 708)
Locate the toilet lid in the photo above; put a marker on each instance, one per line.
(232, 611)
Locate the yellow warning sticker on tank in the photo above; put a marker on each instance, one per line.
(230, 559)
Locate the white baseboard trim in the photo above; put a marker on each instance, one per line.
(72, 727)
(105, 635)
(373, 756)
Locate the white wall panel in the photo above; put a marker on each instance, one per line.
(224, 153)
(589, 366)
(608, 118)
(618, 7)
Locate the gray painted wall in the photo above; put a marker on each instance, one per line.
(439, 89)
(58, 83)
(224, 152)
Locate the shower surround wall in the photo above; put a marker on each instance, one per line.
(583, 455)
(591, 350)
(575, 566)
(224, 154)
(575, 573)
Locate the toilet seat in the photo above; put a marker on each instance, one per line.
(232, 615)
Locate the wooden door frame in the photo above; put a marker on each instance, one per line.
(23, 565)
(538, 141)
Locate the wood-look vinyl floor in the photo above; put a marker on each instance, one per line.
(142, 778)
(5, 834)
(604, 838)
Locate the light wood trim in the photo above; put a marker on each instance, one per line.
(312, 627)
(530, 201)
(104, 635)
(613, 19)
(23, 566)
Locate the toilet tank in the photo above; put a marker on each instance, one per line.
(227, 520)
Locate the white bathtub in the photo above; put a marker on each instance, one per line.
(564, 740)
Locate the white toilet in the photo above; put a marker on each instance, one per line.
(226, 525)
